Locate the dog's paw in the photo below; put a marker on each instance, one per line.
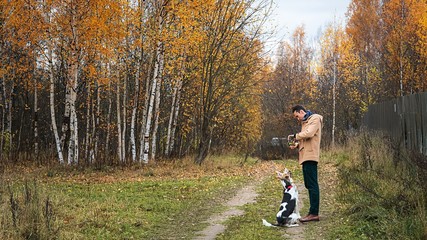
(292, 225)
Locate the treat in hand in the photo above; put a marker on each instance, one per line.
(292, 141)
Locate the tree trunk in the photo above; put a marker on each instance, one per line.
(66, 118)
(157, 67)
(150, 110)
(6, 141)
(137, 81)
(119, 121)
(73, 146)
(124, 118)
(157, 107)
(202, 151)
(3, 118)
(144, 113)
(134, 112)
(203, 148)
(95, 129)
(36, 117)
(334, 101)
(52, 108)
(88, 137)
(173, 117)
(110, 106)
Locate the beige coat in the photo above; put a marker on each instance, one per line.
(309, 138)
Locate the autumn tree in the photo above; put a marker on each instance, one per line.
(291, 82)
(338, 83)
(404, 65)
(364, 29)
(226, 26)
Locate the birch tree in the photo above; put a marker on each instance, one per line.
(156, 79)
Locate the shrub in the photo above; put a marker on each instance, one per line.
(383, 190)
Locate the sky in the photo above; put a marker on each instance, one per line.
(314, 14)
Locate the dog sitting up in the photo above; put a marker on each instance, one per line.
(288, 214)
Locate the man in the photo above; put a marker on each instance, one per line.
(308, 144)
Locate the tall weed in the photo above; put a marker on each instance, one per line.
(25, 215)
(382, 190)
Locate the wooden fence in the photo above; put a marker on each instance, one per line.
(404, 119)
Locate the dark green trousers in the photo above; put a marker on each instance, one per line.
(309, 170)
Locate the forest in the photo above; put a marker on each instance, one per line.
(106, 82)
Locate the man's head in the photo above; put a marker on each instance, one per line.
(299, 112)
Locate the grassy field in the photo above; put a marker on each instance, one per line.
(368, 191)
(162, 201)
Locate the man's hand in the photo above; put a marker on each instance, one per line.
(293, 146)
(292, 141)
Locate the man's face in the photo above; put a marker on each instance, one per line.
(299, 115)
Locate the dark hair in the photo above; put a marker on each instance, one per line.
(298, 108)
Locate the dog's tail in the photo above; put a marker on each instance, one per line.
(267, 224)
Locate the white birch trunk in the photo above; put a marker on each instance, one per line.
(95, 133)
(52, 108)
(119, 121)
(88, 137)
(174, 113)
(150, 113)
(110, 104)
(144, 115)
(157, 66)
(134, 112)
(171, 117)
(66, 119)
(135, 108)
(175, 119)
(59, 149)
(72, 84)
(124, 119)
(157, 107)
(137, 81)
(73, 146)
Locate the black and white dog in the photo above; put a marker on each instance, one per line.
(288, 214)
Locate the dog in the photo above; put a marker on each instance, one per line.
(288, 213)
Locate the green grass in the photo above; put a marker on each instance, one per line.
(152, 209)
(378, 193)
(358, 185)
(146, 210)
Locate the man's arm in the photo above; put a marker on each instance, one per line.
(312, 126)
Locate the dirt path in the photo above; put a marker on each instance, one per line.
(245, 195)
